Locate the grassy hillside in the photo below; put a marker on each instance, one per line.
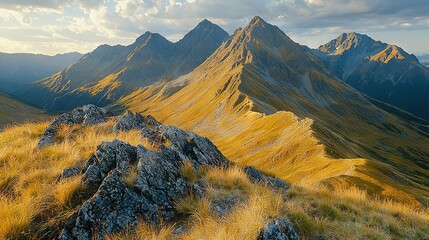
(34, 204)
(13, 111)
(290, 118)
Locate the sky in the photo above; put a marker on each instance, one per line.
(59, 26)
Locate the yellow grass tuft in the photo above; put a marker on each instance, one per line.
(131, 176)
(28, 175)
(65, 192)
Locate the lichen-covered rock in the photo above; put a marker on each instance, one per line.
(86, 115)
(196, 148)
(278, 230)
(200, 149)
(109, 155)
(151, 192)
(130, 121)
(131, 183)
(258, 178)
(70, 172)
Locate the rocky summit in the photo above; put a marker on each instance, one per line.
(129, 183)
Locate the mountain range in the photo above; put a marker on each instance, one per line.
(236, 131)
(381, 71)
(269, 102)
(424, 59)
(110, 72)
(20, 69)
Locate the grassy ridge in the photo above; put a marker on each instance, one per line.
(34, 204)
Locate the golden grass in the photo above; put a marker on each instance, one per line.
(313, 211)
(131, 176)
(272, 121)
(30, 196)
(144, 231)
(65, 190)
(28, 175)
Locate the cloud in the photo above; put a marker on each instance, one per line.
(119, 21)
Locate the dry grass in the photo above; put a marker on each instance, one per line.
(144, 231)
(28, 175)
(131, 176)
(313, 211)
(31, 196)
(65, 191)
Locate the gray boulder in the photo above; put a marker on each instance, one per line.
(86, 115)
(130, 121)
(278, 230)
(128, 183)
(151, 194)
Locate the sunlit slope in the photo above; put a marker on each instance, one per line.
(266, 101)
(13, 111)
(110, 72)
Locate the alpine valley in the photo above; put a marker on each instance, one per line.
(248, 136)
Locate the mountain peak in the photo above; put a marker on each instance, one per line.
(149, 37)
(203, 30)
(257, 22)
(205, 23)
(347, 41)
(263, 32)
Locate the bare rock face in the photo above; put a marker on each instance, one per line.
(278, 230)
(86, 115)
(131, 183)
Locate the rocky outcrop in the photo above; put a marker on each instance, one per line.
(258, 178)
(149, 190)
(130, 121)
(278, 230)
(86, 115)
(130, 183)
(70, 172)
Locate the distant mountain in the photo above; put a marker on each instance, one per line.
(18, 69)
(380, 70)
(268, 102)
(424, 59)
(110, 72)
(13, 111)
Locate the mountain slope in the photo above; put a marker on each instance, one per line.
(107, 177)
(382, 71)
(12, 111)
(110, 72)
(19, 69)
(268, 102)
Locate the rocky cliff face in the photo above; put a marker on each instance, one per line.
(131, 183)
